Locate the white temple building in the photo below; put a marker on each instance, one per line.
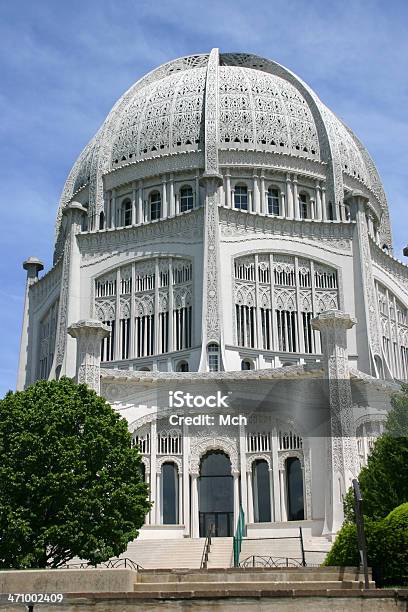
(224, 231)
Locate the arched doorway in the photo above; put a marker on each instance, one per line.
(261, 491)
(216, 494)
(294, 484)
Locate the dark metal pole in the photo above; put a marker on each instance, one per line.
(302, 547)
(362, 545)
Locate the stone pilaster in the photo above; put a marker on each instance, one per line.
(69, 301)
(368, 343)
(33, 266)
(89, 335)
(341, 444)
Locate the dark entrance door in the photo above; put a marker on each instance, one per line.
(216, 494)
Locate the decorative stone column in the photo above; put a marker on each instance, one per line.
(33, 266)
(69, 301)
(250, 518)
(341, 443)
(195, 528)
(236, 498)
(89, 335)
(282, 490)
(289, 198)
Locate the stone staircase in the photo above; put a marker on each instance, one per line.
(240, 582)
(179, 553)
(220, 553)
(286, 548)
(168, 554)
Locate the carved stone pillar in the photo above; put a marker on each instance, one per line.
(319, 212)
(243, 468)
(195, 531)
(89, 335)
(69, 301)
(250, 518)
(341, 444)
(282, 491)
(236, 498)
(33, 266)
(296, 197)
(289, 198)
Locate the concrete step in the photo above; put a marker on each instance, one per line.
(255, 575)
(220, 553)
(176, 553)
(247, 585)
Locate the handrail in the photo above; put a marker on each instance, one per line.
(207, 546)
(268, 561)
(122, 562)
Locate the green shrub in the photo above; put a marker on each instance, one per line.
(345, 548)
(387, 546)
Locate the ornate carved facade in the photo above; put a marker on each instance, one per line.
(213, 233)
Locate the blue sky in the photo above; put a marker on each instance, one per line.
(64, 64)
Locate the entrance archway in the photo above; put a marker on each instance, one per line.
(216, 494)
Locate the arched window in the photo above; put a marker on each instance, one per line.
(303, 206)
(294, 487)
(169, 479)
(273, 202)
(347, 212)
(241, 197)
(126, 213)
(144, 369)
(186, 199)
(246, 364)
(101, 220)
(385, 248)
(213, 351)
(84, 219)
(155, 205)
(261, 491)
(331, 213)
(182, 366)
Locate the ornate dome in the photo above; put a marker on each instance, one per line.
(259, 107)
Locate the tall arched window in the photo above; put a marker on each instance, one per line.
(126, 213)
(186, 199)
(273, 202)
(294, 485)
(331, 213)
(170, 493)
(261, 491)
(303, 206)
(213, 351)
(241, 197)
(155, 205)
(101, 220)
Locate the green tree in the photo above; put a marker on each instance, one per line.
(70, 481)
(384, 480)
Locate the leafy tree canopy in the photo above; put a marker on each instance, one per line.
(384, 480)
(70, 481)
